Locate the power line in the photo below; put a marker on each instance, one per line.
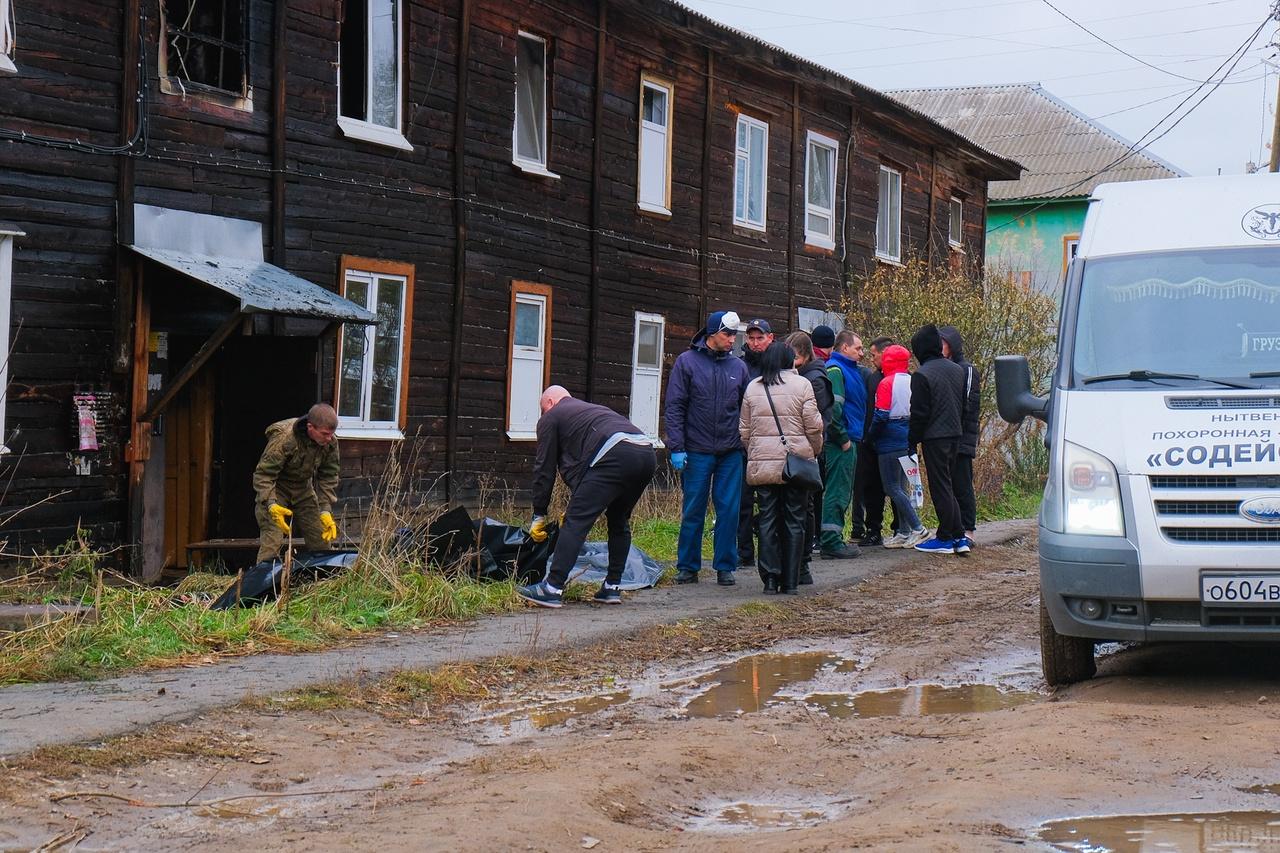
(1121, 50)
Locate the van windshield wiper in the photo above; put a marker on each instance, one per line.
(1264, 374)
(1153, 375)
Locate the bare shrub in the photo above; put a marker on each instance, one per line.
(997, 314)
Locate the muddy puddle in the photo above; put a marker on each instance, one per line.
(775, 816)
(824, 681)
(1186, 833)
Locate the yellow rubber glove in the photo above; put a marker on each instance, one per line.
(279, 514)
(328, 529)
(538, 529)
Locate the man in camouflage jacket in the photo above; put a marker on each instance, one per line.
(297, 477)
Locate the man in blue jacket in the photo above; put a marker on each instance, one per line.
(704, 396)
(848, 421)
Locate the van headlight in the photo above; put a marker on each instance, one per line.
(1091, 493)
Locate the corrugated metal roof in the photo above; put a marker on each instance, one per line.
(1065, 153)
(1002, 160)
(261, 288)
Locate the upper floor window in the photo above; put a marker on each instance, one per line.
(373, 360)
(820, 191)
(655, 146)
(370, 70)
(205, 46)
(529, 130)
(750, 172)
(889, 216)
(6, 37)
(955, 223)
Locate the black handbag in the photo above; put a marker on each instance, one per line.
(796, 471)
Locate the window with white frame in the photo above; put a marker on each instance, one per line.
(7, 234)
(529, 131)
(370, 72)
(7, 37)
(889, 215)
(750, 172)
(372, 359)
(530, 357)
(955, 223)
(820, 191)
(654, 181)
(646, 372)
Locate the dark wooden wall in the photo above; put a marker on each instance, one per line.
(347, 197)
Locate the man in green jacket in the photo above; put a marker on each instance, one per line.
(298, 476)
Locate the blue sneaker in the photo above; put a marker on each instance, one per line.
(608, 594)
(540, 594)
(937, 546)
(962, 546)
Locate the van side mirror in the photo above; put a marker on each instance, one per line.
(1014, 399)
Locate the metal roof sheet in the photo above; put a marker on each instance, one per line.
(1066, 153)
(261, 288)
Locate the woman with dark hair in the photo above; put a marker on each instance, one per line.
(779, 413)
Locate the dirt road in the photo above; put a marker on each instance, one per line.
(905, 713)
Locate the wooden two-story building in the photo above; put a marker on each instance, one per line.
(215, 212)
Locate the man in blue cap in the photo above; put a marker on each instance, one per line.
(704, 396)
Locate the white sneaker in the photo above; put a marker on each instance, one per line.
(897, 540)
(916, 537)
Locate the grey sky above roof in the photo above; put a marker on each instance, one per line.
(1065, 154)
(916, 44)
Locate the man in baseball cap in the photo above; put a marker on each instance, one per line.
(759, 337)
(704, 395)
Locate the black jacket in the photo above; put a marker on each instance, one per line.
(872, 381)
(973, 383)
(937, 391)
(752, 360)
(816, 372)
(569, 436)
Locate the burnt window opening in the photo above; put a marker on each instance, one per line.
(207, 44)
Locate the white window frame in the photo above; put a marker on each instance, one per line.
(364, 426)
(527, 293)
(820, 239)
(7, 235)
(742, 160)
(646, 370)
(955, 223)
(648, 130)
(525, 164)
(889, 222)
(8, 41)
(366, 129)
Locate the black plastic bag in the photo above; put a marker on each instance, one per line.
(261, 583)
(512, 554)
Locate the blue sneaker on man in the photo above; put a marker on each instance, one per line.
(937, 546)
(962, 546)
(540, 594)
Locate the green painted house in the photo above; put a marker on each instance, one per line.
(1033, 224)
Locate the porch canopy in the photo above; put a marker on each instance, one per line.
(226, 255)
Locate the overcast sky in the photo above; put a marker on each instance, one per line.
(927, 43)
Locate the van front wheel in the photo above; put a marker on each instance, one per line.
(1065, 660)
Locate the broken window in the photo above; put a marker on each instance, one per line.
(206, 44)
(369, 63)
(955, 223)
(6, 37)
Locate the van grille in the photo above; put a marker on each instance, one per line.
(1266, 402)
(1222, 534)
(1216, 481)
(1197, 507)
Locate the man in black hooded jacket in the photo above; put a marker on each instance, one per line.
(937, 424)
(962, 469)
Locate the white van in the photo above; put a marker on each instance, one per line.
(1161, 513)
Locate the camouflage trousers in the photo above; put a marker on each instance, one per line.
(306, 522)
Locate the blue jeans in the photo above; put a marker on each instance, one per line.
(895, 486)
(718, 475)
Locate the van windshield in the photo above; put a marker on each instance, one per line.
(1209, 312)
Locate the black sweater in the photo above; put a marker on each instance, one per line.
(937, 391)
(569, 437)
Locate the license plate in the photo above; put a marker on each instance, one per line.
(1223, 589)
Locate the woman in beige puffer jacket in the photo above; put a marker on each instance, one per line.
(783, 536)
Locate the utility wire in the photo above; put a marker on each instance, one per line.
(1119, 49)
(1142, 143)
